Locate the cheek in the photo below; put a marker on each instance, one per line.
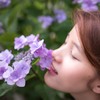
(76, 71)
(72, 77)
(76, 76)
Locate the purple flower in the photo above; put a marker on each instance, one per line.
(60, 15)
(91, 1)
(36, 45)
(46, 21)
(86, 1)
(41, 52)
(19, 56)
(89, 7)
(20, 42)
(30, 38)
(21, 63)
(6, 56)
(45, 62)
(17, 76)
(4, 3)
(7, 72)
(28, 56)
(3, 68)
(22, 66)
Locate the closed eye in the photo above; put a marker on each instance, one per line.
(75, 58)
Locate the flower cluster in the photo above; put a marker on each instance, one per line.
(59, 16)
(4, 3)
(14, 68)
(88, 5)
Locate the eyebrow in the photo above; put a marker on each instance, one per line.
(78, 47)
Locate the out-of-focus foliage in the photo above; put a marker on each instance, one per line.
(21, 18)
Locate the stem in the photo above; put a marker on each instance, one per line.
(34, 71)
(37, 75)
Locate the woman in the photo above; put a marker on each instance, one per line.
(76, 65)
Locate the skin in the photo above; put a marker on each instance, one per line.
(75, 75)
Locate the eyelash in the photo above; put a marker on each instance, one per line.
(73, 57)
(71, 52)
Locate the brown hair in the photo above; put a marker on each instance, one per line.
(89, 31)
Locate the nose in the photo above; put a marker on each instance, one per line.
(57, 56)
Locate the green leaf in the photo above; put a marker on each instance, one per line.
(4, 88)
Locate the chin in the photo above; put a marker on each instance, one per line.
(48, 80)
(52, 83)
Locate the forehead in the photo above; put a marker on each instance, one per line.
(74, 38)
(74, 35)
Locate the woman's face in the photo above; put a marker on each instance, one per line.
(75, 73)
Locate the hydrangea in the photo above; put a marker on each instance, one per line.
(60, 15)
(3, 68)
(18, 74)
(6, 56)
(46, 21)
(20, 42)
(45, 59)
(4, 3)
(37, 48)
(15, 68)
(88, 5)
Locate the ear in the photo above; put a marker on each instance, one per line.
(96, 86)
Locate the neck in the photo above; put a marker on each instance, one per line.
(86, 96)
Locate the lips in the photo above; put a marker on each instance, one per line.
(53, 71)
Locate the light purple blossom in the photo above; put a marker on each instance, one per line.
(30, 39)
(28, 56)
(17, 76)
(60, 15)
(86, 1)
(6, 56)
(20, 42)
(36, 45)
(4, 3)
(41, 52)
(22, 66)
(91, 1)
(88, 5)
(47, 59)
(3, 68)
(7, 72)
(46, 21)
(19, 56)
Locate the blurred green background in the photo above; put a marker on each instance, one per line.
(22, 17)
